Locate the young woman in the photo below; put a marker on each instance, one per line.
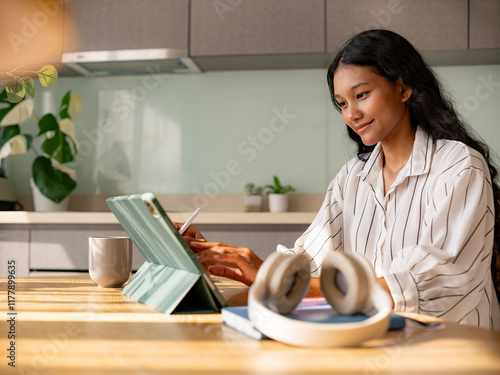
(420, 200)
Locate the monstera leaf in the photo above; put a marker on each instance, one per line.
(71, 106)
(18, 113)
(52, 182)
(12, 142)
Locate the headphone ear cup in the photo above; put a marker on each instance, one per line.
(287, 281)
(354, 298)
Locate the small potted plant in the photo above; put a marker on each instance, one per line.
(51, 180)
(253, 198)
(278, 200)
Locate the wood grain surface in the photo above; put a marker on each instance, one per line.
(69, 325)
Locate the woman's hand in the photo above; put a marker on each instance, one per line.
(237, 263)
(191, 233)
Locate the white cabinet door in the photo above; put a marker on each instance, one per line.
(14, 246)
(59, 248)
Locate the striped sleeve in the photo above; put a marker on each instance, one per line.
(325, 232)
(447, 273)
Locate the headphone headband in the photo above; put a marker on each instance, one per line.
(283, 280)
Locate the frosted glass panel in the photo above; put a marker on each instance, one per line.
(214, 132)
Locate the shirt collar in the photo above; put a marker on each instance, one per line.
(418, 163)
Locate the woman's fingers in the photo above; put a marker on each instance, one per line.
(190, 240)
(215, 247)
(220, 248)
(194, 232)
(204, 245)
(191, 231)
(230, 273)
(231, 265)
(237, 263)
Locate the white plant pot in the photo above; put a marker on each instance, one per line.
(7, 195)
(253, 203)
(278, 202)
(44, 204)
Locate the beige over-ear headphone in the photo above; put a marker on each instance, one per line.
(348, 283)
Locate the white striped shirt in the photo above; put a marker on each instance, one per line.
(430, 236)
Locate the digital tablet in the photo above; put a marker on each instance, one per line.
(171, 279)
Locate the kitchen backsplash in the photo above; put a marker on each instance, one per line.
(212, 133)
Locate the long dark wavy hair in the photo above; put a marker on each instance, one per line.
(392, 57)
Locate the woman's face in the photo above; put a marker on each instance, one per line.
(371, 106)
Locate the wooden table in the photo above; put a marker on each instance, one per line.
(68, 325)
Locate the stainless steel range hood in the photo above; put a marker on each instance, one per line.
(130, 61)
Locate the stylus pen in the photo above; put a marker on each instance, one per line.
(189, 221)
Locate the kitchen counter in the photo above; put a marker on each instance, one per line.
(222, 218)
(57, 242)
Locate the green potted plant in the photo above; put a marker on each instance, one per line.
(278, 200)
(253, 198)
(15, 91)
(54, 146)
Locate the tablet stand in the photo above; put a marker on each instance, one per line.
(172, 279)
(170, 290)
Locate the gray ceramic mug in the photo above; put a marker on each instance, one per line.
(110, 260)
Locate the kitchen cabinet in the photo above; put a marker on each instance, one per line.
(484, 24)
(430, 25)
(127, 24)
(256, 33)
(63, 248)
(283, 34)
(256, 27)
(14, 245)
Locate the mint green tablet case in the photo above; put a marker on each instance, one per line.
(171, 279)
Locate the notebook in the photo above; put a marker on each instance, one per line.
(315, 310)
(171, 279)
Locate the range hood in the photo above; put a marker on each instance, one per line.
(130, 61)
